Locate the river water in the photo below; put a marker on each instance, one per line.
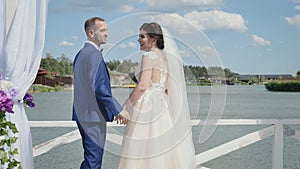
(240, 102)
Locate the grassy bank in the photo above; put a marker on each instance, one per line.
(283, 86)
(36, 88)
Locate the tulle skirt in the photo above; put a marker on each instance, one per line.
(150, 140)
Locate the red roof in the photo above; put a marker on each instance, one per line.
(43, 71)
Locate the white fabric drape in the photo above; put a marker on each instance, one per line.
(2, 30)
(20, 60)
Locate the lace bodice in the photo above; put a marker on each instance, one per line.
(159, 71)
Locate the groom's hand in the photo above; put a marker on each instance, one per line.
(122, 117)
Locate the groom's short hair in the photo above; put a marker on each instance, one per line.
(90, 23)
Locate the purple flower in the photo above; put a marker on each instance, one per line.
(6, 103)
(28, 100)
(13, 93)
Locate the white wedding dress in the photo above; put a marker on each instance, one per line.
(150, 140)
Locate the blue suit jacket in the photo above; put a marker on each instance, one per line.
(93, 101)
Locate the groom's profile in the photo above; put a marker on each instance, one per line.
(93, 104)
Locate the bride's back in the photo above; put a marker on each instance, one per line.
(159, 74)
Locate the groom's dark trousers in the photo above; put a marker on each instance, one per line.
(92, 152)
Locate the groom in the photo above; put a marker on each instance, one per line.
(93, 102)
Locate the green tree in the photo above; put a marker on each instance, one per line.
(126, 65)
(229, 73)
(66, 65)
(215, 70)
(113, 65)
(49, 62)
(194, 72)
(188, 73)
(62, 65)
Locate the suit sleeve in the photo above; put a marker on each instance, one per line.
(108, 106)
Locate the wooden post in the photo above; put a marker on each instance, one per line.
(277, 156)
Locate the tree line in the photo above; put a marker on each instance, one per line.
(64, 66)
(191, 72)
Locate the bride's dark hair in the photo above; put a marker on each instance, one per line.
(154, 31)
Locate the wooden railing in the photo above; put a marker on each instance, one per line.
(277, 128)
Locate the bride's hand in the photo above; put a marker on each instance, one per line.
(122, 117)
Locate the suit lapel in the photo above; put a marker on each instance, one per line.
(101, 55)
(106, 70)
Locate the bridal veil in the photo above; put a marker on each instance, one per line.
(178, 97)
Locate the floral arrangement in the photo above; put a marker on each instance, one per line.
(7, 95)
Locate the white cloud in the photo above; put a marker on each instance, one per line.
(132, 44)
(260, 41)
(186, 53)
(216, 20)
(294, 21)
(75, 37)
(206, 51)
(95, 5)
(143, 5)
(172, 21)
(269, 49)
(126, 8)
(205, 21)
(296, 1)
(128, 45)
(213, 19)
(171, 5)
(123, 45)
(65, 43)
(297, 7)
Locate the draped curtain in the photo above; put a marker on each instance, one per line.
(21, 51)
(2, 32)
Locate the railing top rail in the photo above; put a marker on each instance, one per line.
(194, 122)
(246, 121)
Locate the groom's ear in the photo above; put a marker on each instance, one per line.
(91, 33)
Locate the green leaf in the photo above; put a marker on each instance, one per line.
(7, 154)
(3, 156)
(15, 151)
(12, 140)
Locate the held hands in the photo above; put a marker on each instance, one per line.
(122, 117)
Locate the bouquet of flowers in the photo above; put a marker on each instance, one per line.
(7, 95)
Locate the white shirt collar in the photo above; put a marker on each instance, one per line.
(96, 46)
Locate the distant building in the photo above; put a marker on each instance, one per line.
(247, 78)
(276, 77)
(44, 72)
(55, 79)
(119, 78)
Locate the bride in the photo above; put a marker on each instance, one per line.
(158, 134)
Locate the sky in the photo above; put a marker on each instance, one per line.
(248, 37)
